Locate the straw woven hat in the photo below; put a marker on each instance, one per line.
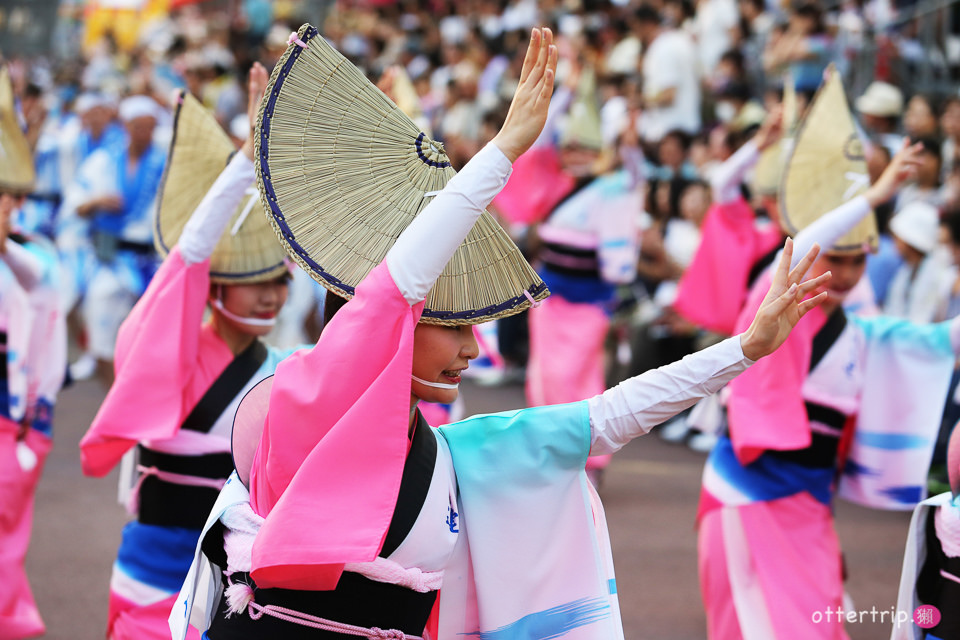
(17, 174)
(342, 171)
(248, 252)
(583, 126)
(826, 168)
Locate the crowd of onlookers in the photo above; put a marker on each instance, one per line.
(690, 80)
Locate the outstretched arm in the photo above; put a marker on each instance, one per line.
(636, 405)
(27, 268)
(421, 252)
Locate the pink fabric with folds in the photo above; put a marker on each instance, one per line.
(129, 621)
(160, 374)
(714, 286)
(566, 356)
(327, 472)
(784, 553)
(19, 616)
(537, 184)
(766, 403)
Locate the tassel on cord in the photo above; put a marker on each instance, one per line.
(239, 595)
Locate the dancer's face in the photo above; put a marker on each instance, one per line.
(440, 354)
(847, 269)
(262, 300)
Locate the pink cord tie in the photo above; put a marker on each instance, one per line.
(295, 39)
(242, 594)
(133, 505)
(533, 303)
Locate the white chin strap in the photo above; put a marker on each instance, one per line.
(435, 385)
(250, 322)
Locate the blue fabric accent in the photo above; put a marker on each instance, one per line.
(579, 290)
(138, 191)
(892, 441)
(43, 417)
(550, 623)
(882, 266)
(905, 495)
(613, 586)
(157, 556)
(853, 468)
(770, 478)
(902, 334)
(4, 398)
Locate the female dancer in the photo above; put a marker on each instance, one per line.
(358, 513)
(178, 383)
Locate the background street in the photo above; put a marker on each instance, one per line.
(650, 495)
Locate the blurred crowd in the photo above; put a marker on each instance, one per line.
(685, 83)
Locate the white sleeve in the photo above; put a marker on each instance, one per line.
(207, 223)
(635, 406)
(421, 252)
(26, 267)
(727, 178)
(829, 228)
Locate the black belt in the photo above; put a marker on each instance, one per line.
(570, 261)
(136, 247)
(356, 600)
(3, 350)
(822, 452)
(170, 504)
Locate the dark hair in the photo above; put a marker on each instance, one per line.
(648, 14)
(931, 146)
(331, 304)
(951, 220)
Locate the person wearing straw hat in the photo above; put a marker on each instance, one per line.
(845, 393)
(33, 345)
(931, 563)
(347, 512)
(880, 107)
(915, 290)
(179, 379)
(116, 189)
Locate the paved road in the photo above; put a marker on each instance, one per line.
(650, 497)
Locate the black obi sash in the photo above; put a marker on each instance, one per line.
(171, 504)
(357, 600)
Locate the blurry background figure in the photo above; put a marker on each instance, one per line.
(116, 189)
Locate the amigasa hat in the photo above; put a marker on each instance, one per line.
(343, 171)
(248, 251)
(918, 225)
(826, 168)
(17, 174)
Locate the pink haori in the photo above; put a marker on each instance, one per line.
(130, 621)
(768, 568)
(19, 616)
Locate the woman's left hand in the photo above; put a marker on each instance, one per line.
(784, 304)
(256, 85)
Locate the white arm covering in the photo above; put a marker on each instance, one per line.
(727, 178)
(829, 228)
(635, 406)
(421, 252)
(955, 336)
(206, 225)
(26, 267)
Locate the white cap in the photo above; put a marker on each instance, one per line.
(90, 100)
(881, 99)
(918, 225)
(139, 106)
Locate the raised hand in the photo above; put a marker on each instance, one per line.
(784, 304)
(771, 129)
(528, 111)
(902, 167)
(256, 85)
